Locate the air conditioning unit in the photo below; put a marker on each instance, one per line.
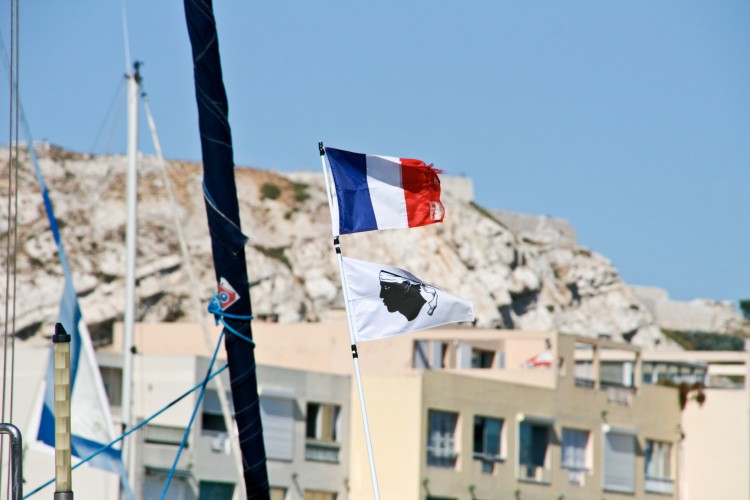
(220, 444)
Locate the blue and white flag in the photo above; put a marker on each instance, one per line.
(385, 301)
(91, 423)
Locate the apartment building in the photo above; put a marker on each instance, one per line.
(496, 415)
(715, 435)
(305, 414)
(454, 413)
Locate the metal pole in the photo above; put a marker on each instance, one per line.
(355, 356)
(130, 255)
(16, 459)
(63, 476)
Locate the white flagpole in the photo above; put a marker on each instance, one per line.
(355, 356)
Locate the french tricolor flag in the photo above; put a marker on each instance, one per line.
(382, 192)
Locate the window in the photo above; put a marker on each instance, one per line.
(323, 431)
(277, 416)
(487, 439)
(179, 487)
(212, 418)
(619, 461)
(429, 354)
(216, 491)
(658, 467)
(112, 379)
(278, 493)
(575, 454)
(481, 358)
(533, 452)
(319, 495)
(616, 374)
(584, 374)
(575, 445)
(323, 422)
(441, 439)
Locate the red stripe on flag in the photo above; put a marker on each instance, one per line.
(422, 192)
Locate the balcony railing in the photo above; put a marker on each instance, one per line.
(576, 474)
(162, 434)
(534, 473)
(441, 457)
(320, 451)
(588, 383)
(659, 485)
(612, 383)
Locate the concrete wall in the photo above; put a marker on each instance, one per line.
(695, 315)
(717, 446)
(394, 409)
(301, 474)
(458, 187)
(535, 226)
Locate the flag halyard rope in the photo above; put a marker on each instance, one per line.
(132, 430)
(214, 307)
(192, 419)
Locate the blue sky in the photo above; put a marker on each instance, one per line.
(629, 119)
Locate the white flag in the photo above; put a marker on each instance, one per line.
(386, 301)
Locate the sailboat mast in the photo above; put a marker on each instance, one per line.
(227, 241)
(130, 255)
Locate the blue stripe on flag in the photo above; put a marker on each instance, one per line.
(352, 192)
(109, 459)
(70, 317)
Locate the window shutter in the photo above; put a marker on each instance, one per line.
(277, 417)
(421, 359)
(464, 356)
(436, 355)
(619, 462)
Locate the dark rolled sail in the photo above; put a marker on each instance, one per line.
(227, 240)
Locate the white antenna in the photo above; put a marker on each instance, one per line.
(125, 36)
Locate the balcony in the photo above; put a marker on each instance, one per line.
(576, 475)
(320, 451)
(441, 456)
(534, 473)
(585, 382)
(659, 485)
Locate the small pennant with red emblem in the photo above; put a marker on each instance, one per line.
(227, 295)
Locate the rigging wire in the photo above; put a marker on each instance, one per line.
(116, 100)
(135, 428)
(194, 283)
(116, 122)
(12, 224)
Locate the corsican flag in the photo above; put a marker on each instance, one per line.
(382, 192)
(386, 301)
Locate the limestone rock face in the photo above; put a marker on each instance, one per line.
(520, 271)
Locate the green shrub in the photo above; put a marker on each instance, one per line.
(300, 191)
(745, 307)
(274, 253)
(706, 341)
(269, 191)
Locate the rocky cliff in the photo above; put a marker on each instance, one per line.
(521, 271)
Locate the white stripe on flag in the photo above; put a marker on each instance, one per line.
(386, 191)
